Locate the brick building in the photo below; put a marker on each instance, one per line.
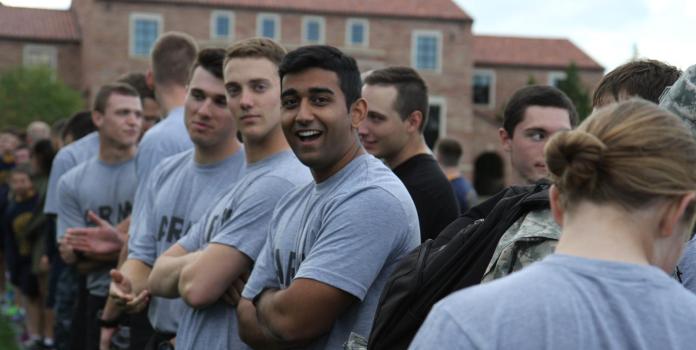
(95, 41)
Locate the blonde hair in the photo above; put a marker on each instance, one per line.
(632, 153)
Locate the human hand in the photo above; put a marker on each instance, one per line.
(234, 291)
(101, 239)
(67, 253)
(121, 292)
(44, 264)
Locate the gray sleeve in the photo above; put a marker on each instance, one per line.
(353, 234)
(194, 240)
(141, 240)
(69, 212)
(687, 266)
(441, 331)
(246, 228)
(263, 274)
(146, 159)
(61, 164)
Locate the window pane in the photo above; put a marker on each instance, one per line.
(357, 33)
(426, 52)
(431, 132)
(482, 88)
(146, 32)
(312, 31)
(222, 26)
(268, 28)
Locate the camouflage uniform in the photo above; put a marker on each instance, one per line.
(680, 99)
(529, 239)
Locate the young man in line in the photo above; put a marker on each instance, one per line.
(104, 185)
(448, 152)
(532, 115)
(223, 245)
(397, 101)
(320, 274)
(179, 191)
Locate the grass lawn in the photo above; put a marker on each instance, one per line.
(8, 340)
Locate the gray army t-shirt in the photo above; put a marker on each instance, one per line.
(240, 220)
(67, 158)
(179, 192)
(348, 232)
(105, 189)
(566, 302)
(165, 139)
(687, 266)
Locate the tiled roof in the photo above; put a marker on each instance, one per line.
(530, 52)
(441, 9)
(38, 24)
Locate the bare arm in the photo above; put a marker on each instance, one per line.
(299, 314)
(164, 279)
(205, 280)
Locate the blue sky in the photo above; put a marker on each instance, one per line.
(608, 30)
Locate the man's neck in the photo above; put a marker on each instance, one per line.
(216, 153)
(273, 143)
(413, 148)
(354, 151)
(170, 97)
(452, 172)
(113, 154)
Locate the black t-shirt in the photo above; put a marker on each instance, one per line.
(431, 192)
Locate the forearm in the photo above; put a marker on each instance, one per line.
(137, 272)
(110, 310)
(277, 323)
(164, 279)
(250, 330)
(105, 258)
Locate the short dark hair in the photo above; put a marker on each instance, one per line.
(79, 125)
(139, 83)
(449, 151)
(256, 48)
(535, 95)
(58, 127)
(109, 89)
(411, 90)
(44, 153)
(211, 61)
(646, 79)
(172, 57)
(327, 58)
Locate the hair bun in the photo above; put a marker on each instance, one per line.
(574, 158)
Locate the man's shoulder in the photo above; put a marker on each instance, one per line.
(169, 130)
(79, 150)
(172, 165)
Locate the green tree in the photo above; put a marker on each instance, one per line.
(33, 93)
(572, 87)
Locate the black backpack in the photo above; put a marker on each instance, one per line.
(456, 259)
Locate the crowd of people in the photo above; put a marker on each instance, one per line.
(251, 197)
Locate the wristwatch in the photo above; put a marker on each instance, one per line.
(107, 323)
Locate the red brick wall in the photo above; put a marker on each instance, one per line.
(11, 55)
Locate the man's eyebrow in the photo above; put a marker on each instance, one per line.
(375, 114)
(288, 92)
(320, 90)
(535, 129)
(259, 80)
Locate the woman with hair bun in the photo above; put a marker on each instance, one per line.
(623, 191)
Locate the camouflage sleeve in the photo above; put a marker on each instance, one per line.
(520, 255)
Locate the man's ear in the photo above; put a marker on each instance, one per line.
(358, 112)
(414, 121)
(505, 139)
(674, 214)
(97, 118)
(556, 209)
(150, 79)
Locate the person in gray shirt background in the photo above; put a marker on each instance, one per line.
(104, 186)
(332, 243)
(625, 201)
(223, 245)
(179, 191)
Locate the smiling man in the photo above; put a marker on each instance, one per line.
(180, 190)
(532, 115)
(328, 253)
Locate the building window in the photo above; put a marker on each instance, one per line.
(313, 30)
(484, 85)
(40, 55)
(222, 25)
(357, 32)
(555, 78)
(435, 127)
(426, 50)
(144, 31)
(268, 25)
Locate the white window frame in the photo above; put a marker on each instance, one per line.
(554, 76)
(272, 16)
(414, 41)
(322, 29)
(442, 102)
(48, 50)
(349, 32)
(135, 16)
(491, 96)
(213, 24)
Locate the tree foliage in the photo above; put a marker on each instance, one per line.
(33, 93)
(572, 86)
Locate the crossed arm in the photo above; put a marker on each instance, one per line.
(291, 317)
(200, 278)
